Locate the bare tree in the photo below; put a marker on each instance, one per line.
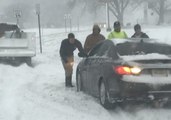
(117, 7)
(160, 7)
(88, 5)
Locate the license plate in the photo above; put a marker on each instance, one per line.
(160, 72)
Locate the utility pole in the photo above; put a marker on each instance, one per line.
(17, 14)
(146, 13)
(38, 16)
(78, 24)
(107, 16)
(70, 22)
(67, 18)
(106, 3)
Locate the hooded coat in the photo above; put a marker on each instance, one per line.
(141, 35)
(93, 39)
(67, 49)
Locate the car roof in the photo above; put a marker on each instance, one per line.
(118, 40)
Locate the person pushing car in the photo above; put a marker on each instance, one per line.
(138, 33)
(93, 38)
(117, 33)
(67, 48)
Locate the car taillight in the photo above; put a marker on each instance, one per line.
(125, 70)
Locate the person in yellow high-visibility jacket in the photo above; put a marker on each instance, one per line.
(117, 33)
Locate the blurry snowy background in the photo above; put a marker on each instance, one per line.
(87, 12)
(38, 92)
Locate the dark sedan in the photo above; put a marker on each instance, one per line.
(124, 70)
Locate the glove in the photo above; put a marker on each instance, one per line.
(82, 54)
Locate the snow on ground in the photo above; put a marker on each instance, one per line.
(38, 93)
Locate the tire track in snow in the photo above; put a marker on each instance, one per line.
(46, 89)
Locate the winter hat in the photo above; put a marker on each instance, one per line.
(137, 26)
(71, 35)
(116, 24)
(96, 27)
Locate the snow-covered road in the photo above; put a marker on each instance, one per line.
(38, 93)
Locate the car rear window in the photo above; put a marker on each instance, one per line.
(136, 48)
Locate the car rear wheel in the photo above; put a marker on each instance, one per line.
(103, 96)
(79, 82)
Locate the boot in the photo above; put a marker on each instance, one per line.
(66, 81)
(70, 81)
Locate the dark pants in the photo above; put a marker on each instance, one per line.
(68, 67)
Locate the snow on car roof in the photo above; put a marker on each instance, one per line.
(146, 57)
(118, 40)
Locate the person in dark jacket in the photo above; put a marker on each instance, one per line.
(93, 38)
(66, 53)
(138, 33)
